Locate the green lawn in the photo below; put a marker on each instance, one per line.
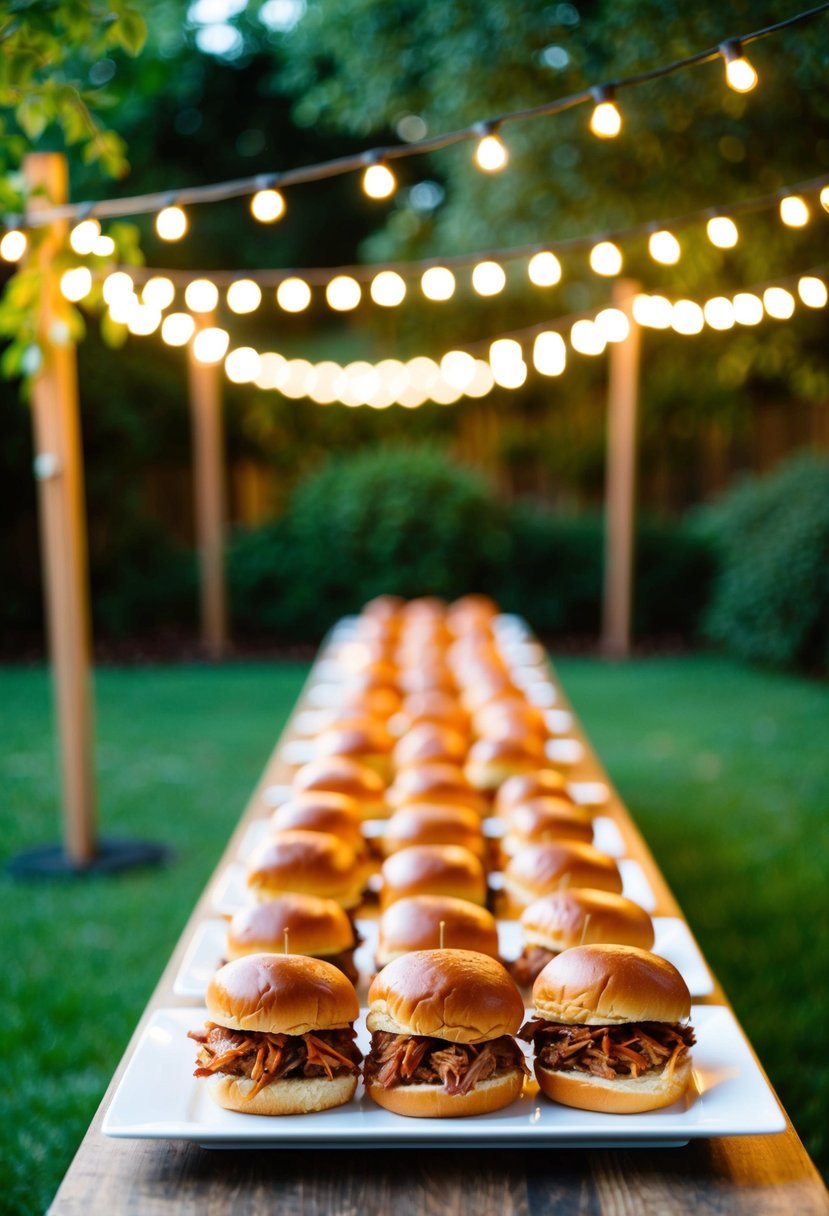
(724, 767)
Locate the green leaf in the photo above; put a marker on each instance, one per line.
(32, 116)
(130, 31)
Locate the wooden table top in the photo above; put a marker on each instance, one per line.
(755, 1175)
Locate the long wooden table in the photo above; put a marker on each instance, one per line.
(755, 1175)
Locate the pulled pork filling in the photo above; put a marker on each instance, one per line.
(525, 968)
(631, 1049)
(403, 1059)
(263, 1057)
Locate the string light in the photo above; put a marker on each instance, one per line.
(437, 283)
(123, 306)
(748, 308)
(605, 121)
(76, 284)
(143, 320)
(242, 365)
(201, 295)
(687, 317)
(739, 73)
(491, 154)
(244, 296)
(458, 369)
(824, 198)
(544, 269)
(812, 291)
(586, 339)
(719, 313)
(270, 364)
(483, 380)
(388, 289)
(293, 295)
(722, 232)
(267, 206)
(210, 345)
(606, 258)
(778, 303)
(158, 292)
(177, 329)
(321, 385)
(83, 236)
(794, 211)
(612, 324)
(549, 354)
(664, 247)
(343, 293)
(171, 223)
(652, 311)
(117, 286)
(488, 278)
(13, 245)
(378, 181)
(104, 247)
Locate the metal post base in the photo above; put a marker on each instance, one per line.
(112, 856)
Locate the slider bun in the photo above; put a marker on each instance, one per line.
(289, 1096)
(316, 926)
(625, 1096)
(281, 994)
(490, 684)
(368, 742)
(383, 608)
(432, 1101)
(493, 761)
(510, 716)
(602, 985)
(424, 607)
(539, 783)
(324, 812)
(312, 863)
(539, 869)
(434, 706)
(446, 994)
(444, 783)
(414, 924)
(430, 823)
(342, 775)
(557, 922)
(379, 703)
(542, 819)
(420, 677)
(433, 869)
(364, 655)
(430, 743)
(471, 614)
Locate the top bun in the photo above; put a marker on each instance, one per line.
(448, 994)
(541, 783)
(414, 924)
(606, 985)
(313, 863)
(281, 994)
(432, 823)
(315, 926)
(343, 775)
(581, 916)
(444, 783)
(430, 743)
(323, 812)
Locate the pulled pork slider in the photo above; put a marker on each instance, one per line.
(611, 1030)
(491, 762)
(430, 823)
(312, 863)
(415, 924)
(541, 783)
(314, 926)
(341, 775)
(444, 783)
(577, 917)
(430, 743)
(337, 814)
(540, 869)
(433, 869)
(280, 1039)
(442, 1023)
(367, 742)
(541, 819)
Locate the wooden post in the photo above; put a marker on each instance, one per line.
(208, 482)
(620, 479)
(59, 472)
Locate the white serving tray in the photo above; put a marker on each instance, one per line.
(159, 1098)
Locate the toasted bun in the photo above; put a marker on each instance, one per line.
(539, 783)
(433, 1102)
(446, 994)
(384, 607)
(582, 917)
(602, 985)
(379, 703)
(543, 819)
(444, 783)
(434, 706)
(509, 717)
(540, 869)
(421, 678)
(625, 1096)
(315, 926)
(324, 812)
(366, 742)
(281, 994)
(430, 743)
(491, 762)
(313, 863)
(414, 924)
(484, 684)
(343, 775)
(430, 823)
(433, 869)
(291, 1096)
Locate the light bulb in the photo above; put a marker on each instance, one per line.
(511, 375)
(664, 247)
(123, 306)
(379, 181)
(158, 292)
(363, 382)
(586, 338)
(606, 258)
(778, 303)
(83, 236)
(244, 296)
(443, 393)
(210, 345)
(612, 324)
(458, 369)
(412, 398)
(605, 121)
(812, 291)
(488, 278)
(687, 317)
(267, 206)
(438, 283)
(104, 247)
(322, 383)
(76, 284)
(544, 269)
(722, 232)
(748, 308)
(171, 224)
(719, 313)
(295, 378)
(824, 198)
(343, 293)
(242, 365)
(794, 211)
(739, 73)
(388, 289)
(13, 245)
(482, 381)
(550, 354)
(117, 286)
(201, 295)
(270, 364)
(491, 154)
(422, 373)
(293, 295)
(144, 320)
(504, 351)
(382, 397)
(177, 329)
(394, 376)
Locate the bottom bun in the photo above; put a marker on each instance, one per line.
(433, 1102)
(294, 1096)
(627, 1096)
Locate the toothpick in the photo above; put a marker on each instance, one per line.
(442, 929)
(285, 935)
(584, 928)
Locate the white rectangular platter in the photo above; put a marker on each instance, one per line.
(159, 1098)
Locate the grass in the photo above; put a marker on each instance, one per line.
(723, 766)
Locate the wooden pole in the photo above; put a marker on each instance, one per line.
(620, 479)
(208, 479)
(59, 472)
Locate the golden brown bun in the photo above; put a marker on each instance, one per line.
(542, 819)
(367, 742)
(540, 869)
(313, 863)
(433, 869)
(431, 823)
(626, 1096)
(491, 762)
(364, 655)
(384, 607)
(446, 994)
(379, 703)
(381, 674)
(540, 783)
(281, 994)
(315, 927)
(344, 776)
(488, 685)
(433, 1102)
(444, 783)
(420, 677)
(602, 985)
(323, 812)
(471, 614)
(434, 706)
(414, 924)
(511, 716)
(560, 921)
(289, 1096)
(428, 607)
(430, 743)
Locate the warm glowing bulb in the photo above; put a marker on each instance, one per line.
(488, 278)
(343, 293)
(177, 329)
(379, 181)
(104, 247)
(388, 289)
(722, 232)
(812, 291)
(158, 292)
(144, 320)
(482, 381)
(664, 247)
(719, 313)
(544, 269)
(586, 338)
(438, 283)
(294, 295)
(13, 245)
(748, 308)
(322, 383)
(171, 224)
(606, 258)
(687, 317)
(423, 372)
(458, 369)
(740, 75)
(794, 211)
(267, 206)
(362, 382)
(117, 286)
(824, 198)
(122, 307)
(443, 393)
(778, 303)
(242, 365)
(201, 295)
(504, 351)
(83, 236)
(270, 366)
(491, 154)
(394, 376)
(550, 354)
(210, 345)
(511, 375)
(612, 324)
(76, 283)
(244, 296)
(606, 121)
